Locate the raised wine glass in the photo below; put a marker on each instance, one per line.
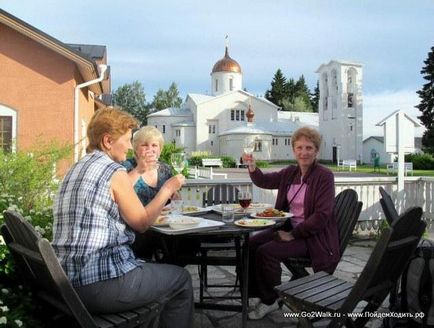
(244, 198)
(248, 148)
(178, 161)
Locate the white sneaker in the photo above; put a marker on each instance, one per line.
(262, 310)
(253, 303)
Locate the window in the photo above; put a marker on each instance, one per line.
(242, 115)
(164, 129)
(156, 126)
(258, 146)
(178, 132)
(216, 85)
(209, 129)
(232, 115)
(213, 129)
(212, 143)
(237, 115)
(6, 133)
(277, 141)
(231, 84)
(350, 100)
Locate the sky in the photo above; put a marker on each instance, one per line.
(160, 42)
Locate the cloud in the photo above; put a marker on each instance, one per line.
(377, 106)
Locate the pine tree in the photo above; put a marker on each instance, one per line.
(278, 89)
(426, 105)
(314, 98)
(131, 98)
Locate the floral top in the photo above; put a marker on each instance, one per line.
(144, 191)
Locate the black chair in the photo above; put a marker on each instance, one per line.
(347, 211)
(42, 272)
(388, 206)
(218, 194)
(325, 293)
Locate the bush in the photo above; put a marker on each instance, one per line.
(228, 161)
(27, 186)
(260, 163)
(421, 161)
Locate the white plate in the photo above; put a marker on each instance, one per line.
(254, 207)
(183, 222)
(162, 221)
(254, 223)
(287, 215)
(187, 209)
(204, 224)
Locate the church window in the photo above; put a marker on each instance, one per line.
(209, 129)
(351, 128)
(6, 133)
(164, 129)
(232, 115)
(212, 143)
(156, 126)
(231, 84)
(350, 100)
(216, 85)
(213, 129)
(178, 132)
(237, 115)
(258, 146)
(242, 115)
(277, 141)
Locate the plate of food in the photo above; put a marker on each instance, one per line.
(254, 223)
(253, 207)
(184, 222)
(162, 221)
(190, 209)
(271, 213)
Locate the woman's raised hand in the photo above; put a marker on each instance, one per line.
(175, 183)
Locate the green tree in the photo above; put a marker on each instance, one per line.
(279, 89)
(426, 106)
(314, 98)
(164, 99)
(132, 99)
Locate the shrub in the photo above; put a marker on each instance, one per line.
(421, 161)
(260, 163)
(228, 161)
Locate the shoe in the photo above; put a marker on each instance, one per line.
(253, 303)
(262, 310)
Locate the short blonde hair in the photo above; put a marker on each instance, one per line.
(109, 120)
(309, 133)
(147, 134)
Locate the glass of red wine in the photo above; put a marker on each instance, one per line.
(244, 198)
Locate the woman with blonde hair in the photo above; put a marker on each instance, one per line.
(95, 214)
(306, 190)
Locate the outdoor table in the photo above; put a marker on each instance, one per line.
(228, 230)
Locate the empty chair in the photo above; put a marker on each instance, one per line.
(326, 293)
(388, 206)
(347, 211)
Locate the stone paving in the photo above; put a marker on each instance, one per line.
(349, 268)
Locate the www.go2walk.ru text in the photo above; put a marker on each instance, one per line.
(353, 315)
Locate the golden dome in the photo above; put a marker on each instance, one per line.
(226, 64)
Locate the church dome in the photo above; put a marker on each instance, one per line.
(226, 64)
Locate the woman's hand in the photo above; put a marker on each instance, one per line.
(174, 183)
(250, 161)
(283, 236)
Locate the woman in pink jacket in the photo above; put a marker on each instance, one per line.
(307, 191)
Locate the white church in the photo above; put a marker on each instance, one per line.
(220, 123)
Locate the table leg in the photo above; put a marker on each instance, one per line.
(245, 281)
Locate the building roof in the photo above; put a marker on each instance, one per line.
(383, 121)
(226, 64)
(172, 111)
(417, 141)
(96, 52)
(87, 67)
(378, 138)
(334, 61)
(184, 123)
(270, 128)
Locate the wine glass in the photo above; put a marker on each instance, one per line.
(178, 161)
(248, 148)
(244, 198)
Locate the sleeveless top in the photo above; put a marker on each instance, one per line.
(90, 238)
(144, 191)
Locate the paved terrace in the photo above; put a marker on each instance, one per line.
(349, 268)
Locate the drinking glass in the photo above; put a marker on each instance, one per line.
(178, 161)
(244, 198)
(248, 148)
(228, 213)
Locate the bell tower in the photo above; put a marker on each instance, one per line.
(341, 110)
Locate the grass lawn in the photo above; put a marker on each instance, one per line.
(363, 169)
